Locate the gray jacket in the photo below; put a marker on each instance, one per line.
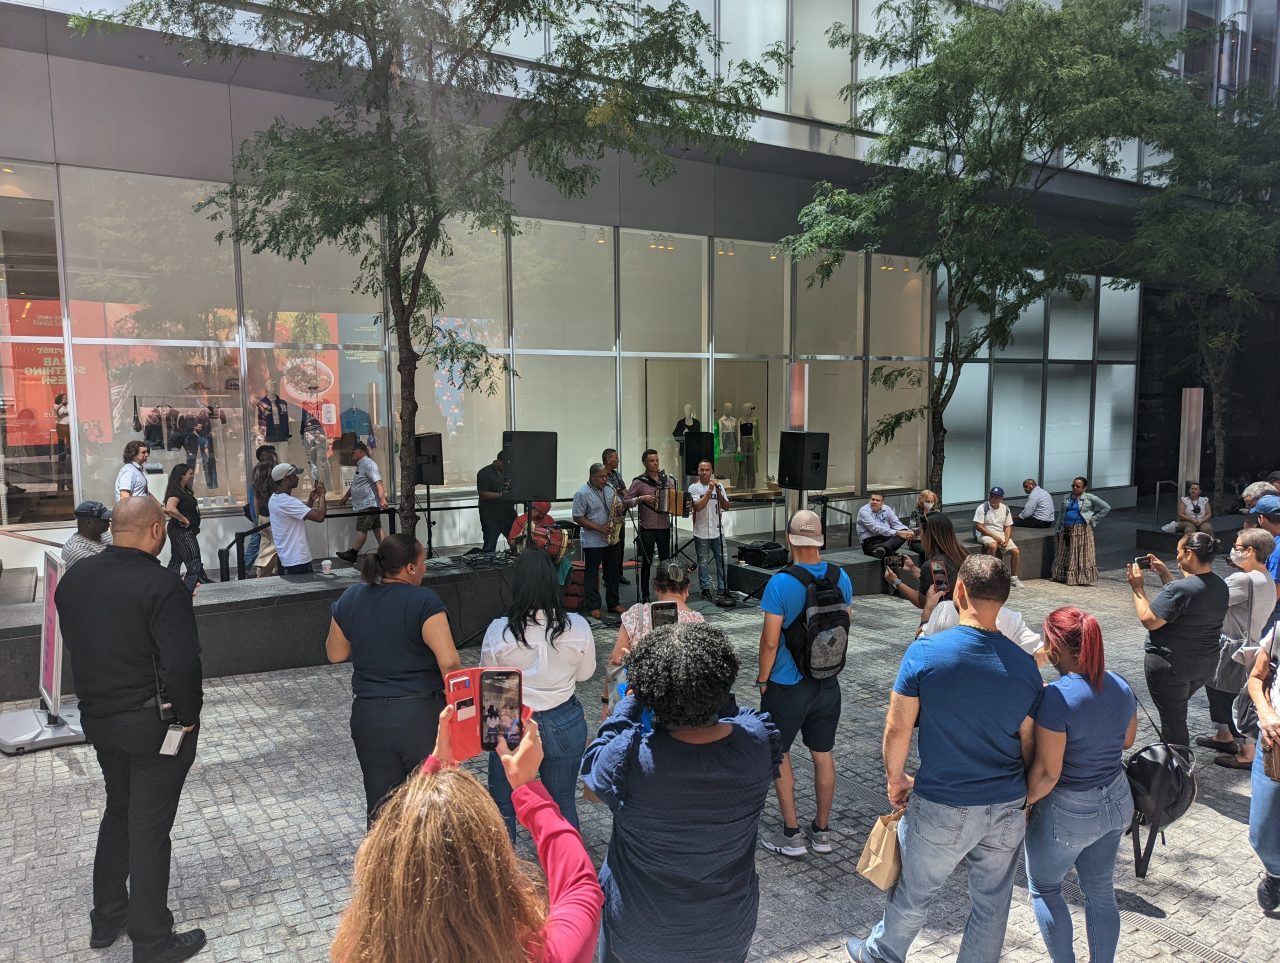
(1092, 509)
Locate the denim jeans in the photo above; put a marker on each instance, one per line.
(933, 840)
(1264, 816)
(251, 546)
(710, 550)
(564, 739)
(1081, 829)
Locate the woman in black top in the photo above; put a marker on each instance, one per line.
(184, 525)
(1184, 623)
(396, 634)
(939, 547)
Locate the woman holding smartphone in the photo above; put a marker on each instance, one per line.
(943, 555)
(555, 650)
(396, 634)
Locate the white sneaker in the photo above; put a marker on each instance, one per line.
(1015, 582)
(792, 846)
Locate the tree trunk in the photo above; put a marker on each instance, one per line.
(407, 366)
(1218, 408)
(938, 455)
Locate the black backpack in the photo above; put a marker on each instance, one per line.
(1162, 778)
(819, 637)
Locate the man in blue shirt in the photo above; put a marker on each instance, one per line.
(973, 692)
(796, 703)
(1265, 513)
(879, 529)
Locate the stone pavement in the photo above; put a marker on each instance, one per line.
(273, 812)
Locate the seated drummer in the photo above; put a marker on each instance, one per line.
(538, 515)
(524, 534)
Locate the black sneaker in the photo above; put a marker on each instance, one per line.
(624, 581)
(102, 935)
(707, 596)
(1269, 892)
(182, 946)
(349, 556)
(878, 551)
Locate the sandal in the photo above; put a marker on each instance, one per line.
(1231, 762)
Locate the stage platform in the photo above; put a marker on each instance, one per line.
(261, 625)
(1151, 538)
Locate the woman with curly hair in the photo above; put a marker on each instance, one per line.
(437, 880)
(686, 800)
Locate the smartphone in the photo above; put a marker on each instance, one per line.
(172, 741)
(501, 699)
(1142, 562)
(663, 613)
(895, 561)
(938, 577)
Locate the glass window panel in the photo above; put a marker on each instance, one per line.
(835, 406)
(654, 394)
(900, 463)
(1198, 60)
(663, 291)
(1071, 325)
(1066, 422)
(899, 307)
(140, 262)
(742, 384)
(818, 73)
(1015, 424)
(541, 406)
(971, 320)
(29, 304)
(161, 395)
(706, 9)
(562, 276)
(747, 29)
(1113, 417)
(292, 301)
(965, 469)
(1262, 43)
(525, 41)
(36, 466)
(829, 317)
(344, 391)
(1118, 322)
(749, 298)
(1026, 340)
(473, 282)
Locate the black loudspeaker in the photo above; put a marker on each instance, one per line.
(531, 465)
(428, 450)
(802, 460)
(698, 446)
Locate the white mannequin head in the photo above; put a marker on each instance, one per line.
(688, 412)
(748, 410)
(727, 409)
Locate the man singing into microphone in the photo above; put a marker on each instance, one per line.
(709, 502)
(655, 526)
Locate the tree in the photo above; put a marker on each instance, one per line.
(979, 110)
(1211, 234)
(431, 119)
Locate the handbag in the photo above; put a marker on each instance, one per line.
(1232, 671)
(881, 860)
(1162, 779)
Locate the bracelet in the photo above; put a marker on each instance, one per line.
(604, 700)
(760, 682)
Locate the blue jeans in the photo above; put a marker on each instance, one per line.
(1081, 829)
(933, 840)
(252, 544)
(564, 739)
(710, 549)
(1264, 816)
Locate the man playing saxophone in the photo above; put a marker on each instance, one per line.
(599, 511)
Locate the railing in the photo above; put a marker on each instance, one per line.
(825, 501)
(1159, 488)
(32, 538)
(237, 542)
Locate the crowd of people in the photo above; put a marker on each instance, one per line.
(1012, 770)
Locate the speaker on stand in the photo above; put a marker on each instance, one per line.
(428, 450)
(802, 463)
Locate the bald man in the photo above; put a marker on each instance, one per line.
(149, 640)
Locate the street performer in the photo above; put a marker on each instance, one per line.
(649, 491)
(537, 529)
(598, 510)
(708, 500)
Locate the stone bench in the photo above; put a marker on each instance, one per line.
(1038, 546)
(1151, 538)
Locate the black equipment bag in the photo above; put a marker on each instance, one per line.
(1162, 778)
(763, 554)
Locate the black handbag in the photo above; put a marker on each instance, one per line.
(1162, 779)
(763, 555)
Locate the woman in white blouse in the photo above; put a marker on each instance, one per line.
(555, 650)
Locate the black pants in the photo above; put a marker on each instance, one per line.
(1172, 684)
(890, 544)
(392, 738)
(610, 559)
(302, 568)
(491, 531)
(184, 548)
(1031, 523)
(651, 539)
(143, 789)
(1221, 703)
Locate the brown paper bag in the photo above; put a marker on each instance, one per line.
(881, 863)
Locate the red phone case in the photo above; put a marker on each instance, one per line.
(459, 686)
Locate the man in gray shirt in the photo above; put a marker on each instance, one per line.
(93, 520)
(1038, 511)
(598, 510)
(366, 494)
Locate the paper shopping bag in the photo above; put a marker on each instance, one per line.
(881, 863)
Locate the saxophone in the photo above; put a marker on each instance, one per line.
(617, 517)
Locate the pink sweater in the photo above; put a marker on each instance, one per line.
(573, 892)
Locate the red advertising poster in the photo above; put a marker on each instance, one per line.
(51, 636)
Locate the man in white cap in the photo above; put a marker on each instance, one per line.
(797, 702)
(289, 517)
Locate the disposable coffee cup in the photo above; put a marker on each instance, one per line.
(326, 567)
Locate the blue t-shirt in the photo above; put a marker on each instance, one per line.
(1273, 563)
(384, 623)
(975, 689)
(1095, 724)
(1072, 515)
(785, 595)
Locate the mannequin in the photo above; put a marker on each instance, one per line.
(685, 425)
(728, 426)
(748, 432)
(273, 415)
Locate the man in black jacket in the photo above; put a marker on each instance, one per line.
(148, 641)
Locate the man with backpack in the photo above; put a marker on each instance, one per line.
(802, 650)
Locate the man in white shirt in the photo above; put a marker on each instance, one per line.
(289, 517)
(940, 615)
(709, 502)
(993, 528)
(131, 479)
(1038, 511)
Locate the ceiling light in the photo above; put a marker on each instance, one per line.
(7, 170)
(600, 236)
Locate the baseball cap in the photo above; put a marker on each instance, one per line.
(543, 507)
(997, 490)
(1266, 505)
(284, 470)
(93, 510)
(1274, 476)
(805, 528)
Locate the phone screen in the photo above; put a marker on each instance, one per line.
(663, 613)
(938, 576)
(500, 701)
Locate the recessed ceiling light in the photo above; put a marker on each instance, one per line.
(7, 170)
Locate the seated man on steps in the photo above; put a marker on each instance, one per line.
(879, 530)
(993, 530)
